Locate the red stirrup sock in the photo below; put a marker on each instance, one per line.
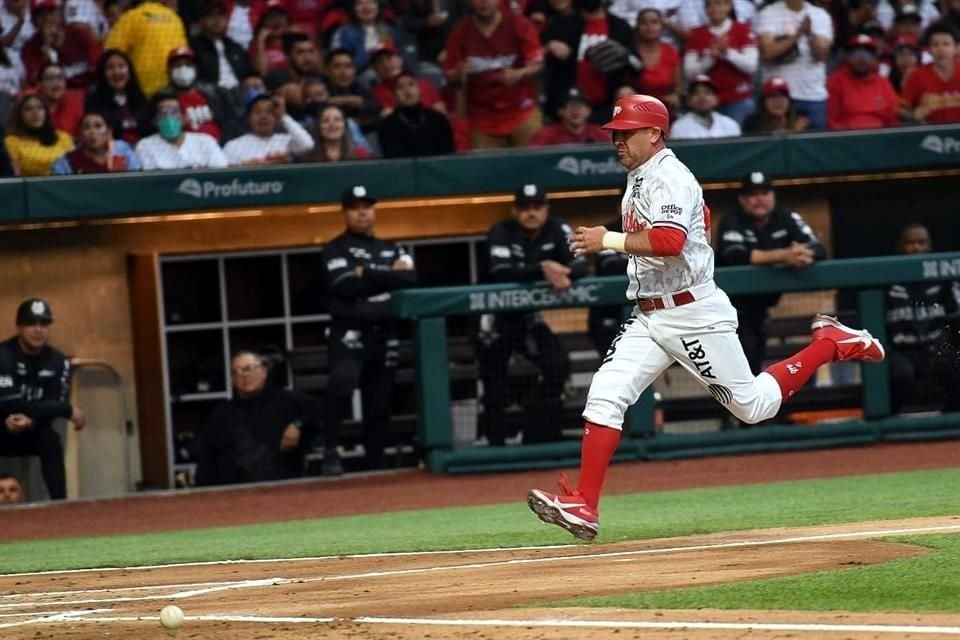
(599, 445)
(791, 374)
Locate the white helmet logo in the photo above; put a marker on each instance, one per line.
(616, 110)
(37, 308)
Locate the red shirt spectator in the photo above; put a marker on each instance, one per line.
(932, 92)
(659, 80)
(660, 76)
(859, 97)
(387, 66)
(573, 127)
(198, 114)
(266, 50)
(65, 105)
(497, 56)
(732, 74)
(75, 47)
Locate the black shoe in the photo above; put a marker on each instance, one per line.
(331, 464)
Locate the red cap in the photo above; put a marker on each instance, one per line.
(862, 41)
(382, 49)
(701, 79)
(775, 85)
(43, 5)
(180, 52)
(639, 112)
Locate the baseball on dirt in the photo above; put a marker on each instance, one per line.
(171, 617)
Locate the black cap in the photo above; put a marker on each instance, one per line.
(756, 180)
(32, 310)
(530, 194)
(908, 12)
(357, 193)
(574, 95)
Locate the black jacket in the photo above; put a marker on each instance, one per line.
(919, 314)
(514, 257)
(738, 237)
(240, 442)
(410, 132)
(208, 62)
(37, 386)
(357, 300)
(561, 75)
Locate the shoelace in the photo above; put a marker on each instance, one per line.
(565, 487)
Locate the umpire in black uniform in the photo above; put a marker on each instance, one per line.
(530, 246)
(761, 233)
(34, 390)
(361, 271)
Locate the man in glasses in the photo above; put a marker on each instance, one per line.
(261, 433)
(172, 147)
(35, 390)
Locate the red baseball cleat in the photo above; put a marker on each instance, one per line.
(852, 344)
(567, 509)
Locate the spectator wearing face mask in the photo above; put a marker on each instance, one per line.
(172, 147)
(859, 97)
(204, 110)
(263, 145)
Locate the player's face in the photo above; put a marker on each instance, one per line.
(636, 146)
(34, 335)
(942, 47)
(360, 217)
(531, 217)
(10, 491)
(915, 240)
(249, 375)
(758, 203)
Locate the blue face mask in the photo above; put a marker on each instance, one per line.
(169, 127)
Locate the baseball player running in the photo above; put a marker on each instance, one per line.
(680, 314)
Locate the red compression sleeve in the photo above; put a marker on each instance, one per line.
(666, 241)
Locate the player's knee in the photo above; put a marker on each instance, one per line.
(750, 414)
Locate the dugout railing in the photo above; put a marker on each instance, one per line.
(430, 309)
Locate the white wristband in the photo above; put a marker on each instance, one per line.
(615, 240)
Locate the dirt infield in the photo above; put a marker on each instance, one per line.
(473, 595)
(495, 594)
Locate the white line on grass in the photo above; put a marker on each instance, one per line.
(399, 554)
(638, 624)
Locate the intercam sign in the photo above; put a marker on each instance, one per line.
(545, 297)
(233, 189)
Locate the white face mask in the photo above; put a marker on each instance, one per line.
(183, 76)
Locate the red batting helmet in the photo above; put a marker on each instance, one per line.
(639, 112)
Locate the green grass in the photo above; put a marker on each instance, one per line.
(637, 516)
(926, 583)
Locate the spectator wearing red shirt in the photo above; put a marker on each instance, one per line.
(726, 51)
(65, 105)
(590, 50)
(905, 60)
(776, 113)
(198, 112)
(387, 66)
(859, 97)
(932, 92)
(494, 58)
(573, 127)
(73, 46)
(660, 74)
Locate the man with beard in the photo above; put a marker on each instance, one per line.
(703, 121)
(860, 98)
(412, 129)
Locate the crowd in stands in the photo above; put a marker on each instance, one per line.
(94, 86)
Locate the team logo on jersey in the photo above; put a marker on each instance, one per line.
(698, 357)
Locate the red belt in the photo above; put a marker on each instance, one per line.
(647, 305)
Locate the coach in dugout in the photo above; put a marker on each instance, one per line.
(261, 433)
(528, 247)
(759, 232)
(34, 391)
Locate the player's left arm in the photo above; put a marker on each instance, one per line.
(801, 232)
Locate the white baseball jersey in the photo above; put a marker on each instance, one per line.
(662, 192)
